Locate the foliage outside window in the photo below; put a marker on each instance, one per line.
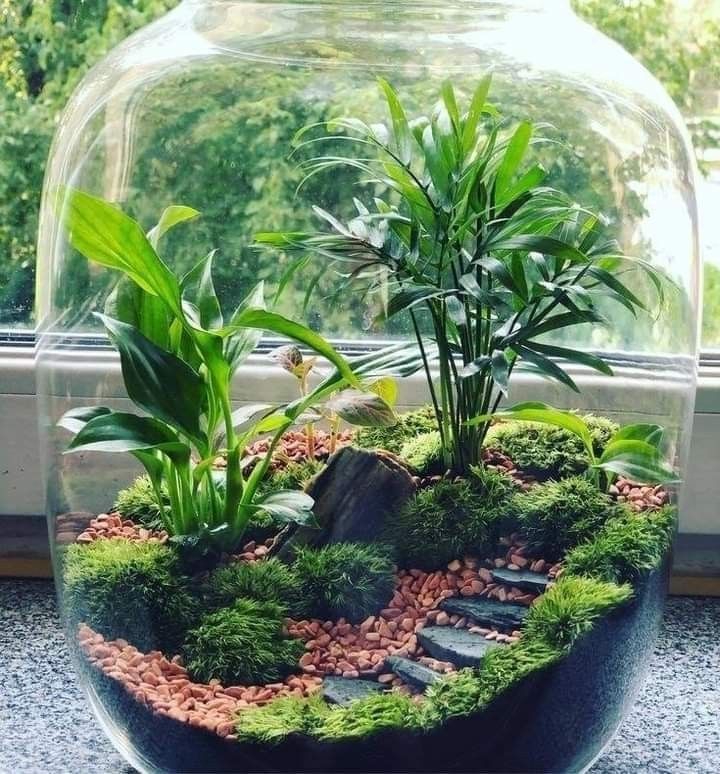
(46, 47)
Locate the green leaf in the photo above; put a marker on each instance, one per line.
(469, 137)
(289, 507)
(260, 319)
(514, 154)
(401, 128)
(500, 369)
(363, 409)
(651, 434)
(476, 366)
(197, 285)
(410, 295)
(614, 284)
(156, 380)
(130, 304)
(171, 216)
(105, 235)
(244, 341)
(542, 412)
(250, 413)
(122, 432)
(545, 366)
(637, 460)
(75, 419)
(386, 387)
(539, 244)
(573, 355)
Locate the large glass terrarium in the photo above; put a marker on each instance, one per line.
(367, 366)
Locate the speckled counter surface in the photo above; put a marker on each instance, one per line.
(45, 726)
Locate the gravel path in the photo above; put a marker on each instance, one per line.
(674, 727)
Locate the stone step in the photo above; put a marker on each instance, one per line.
(522, 579)
(417, 675)
(489, 612)
(343, 690)
(458, 646)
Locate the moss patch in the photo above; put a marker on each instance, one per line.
(282, 717)
(547, 451)
(343, 580)
(471, 690)
(571, 608)
(139, 503)
(424, 453)
(242, 644)
(268, 580)
(129, 590)
(626, 546)
(409, 426)
(557, 515)
(365, 717)
(450, 519)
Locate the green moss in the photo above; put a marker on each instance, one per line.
(129, 590)
(557, 515)
(571, 608)
(424, 453)
(471, 690)
(626, 546)
(265, 581)
(409, 425)
(365, 717)
(349, 580)
(139, 503)
(450, 519)
(274, 722)
(295, 475)
(242, 644)
(547, 451)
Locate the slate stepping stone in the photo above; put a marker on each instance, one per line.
(343, 690)
(458, 646)
(490, 612)
(417, 675)
(522, 579)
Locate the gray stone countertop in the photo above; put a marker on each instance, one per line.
(45, 725)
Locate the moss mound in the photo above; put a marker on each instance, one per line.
(274, 722)
(571, 607)
(547, 451)
(424, 453)
(451, 519)
(409, 426)
(243, 643)
(295, 475)
(368, 716)
(557, 515)
(343, 580)
(625, 547)
(129, 590)
(139, 503)
(265, 581)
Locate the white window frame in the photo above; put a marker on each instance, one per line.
(22, 491)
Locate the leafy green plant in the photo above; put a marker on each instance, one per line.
(546, 451)
(468, 233)
(131, 590)
(350, 580)
(450, 519)
(243, 644)
(171, 333)
(557, 515)
(268, 580)
(627, 546)
(571, 608)
(632, 451)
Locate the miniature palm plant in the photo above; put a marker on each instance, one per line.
(178, 354)
(471, 243)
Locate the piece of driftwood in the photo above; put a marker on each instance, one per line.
(353, 496)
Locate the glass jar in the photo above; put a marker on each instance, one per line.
(412, 462)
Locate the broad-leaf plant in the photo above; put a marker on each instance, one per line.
(178, 354)
(466, 238)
